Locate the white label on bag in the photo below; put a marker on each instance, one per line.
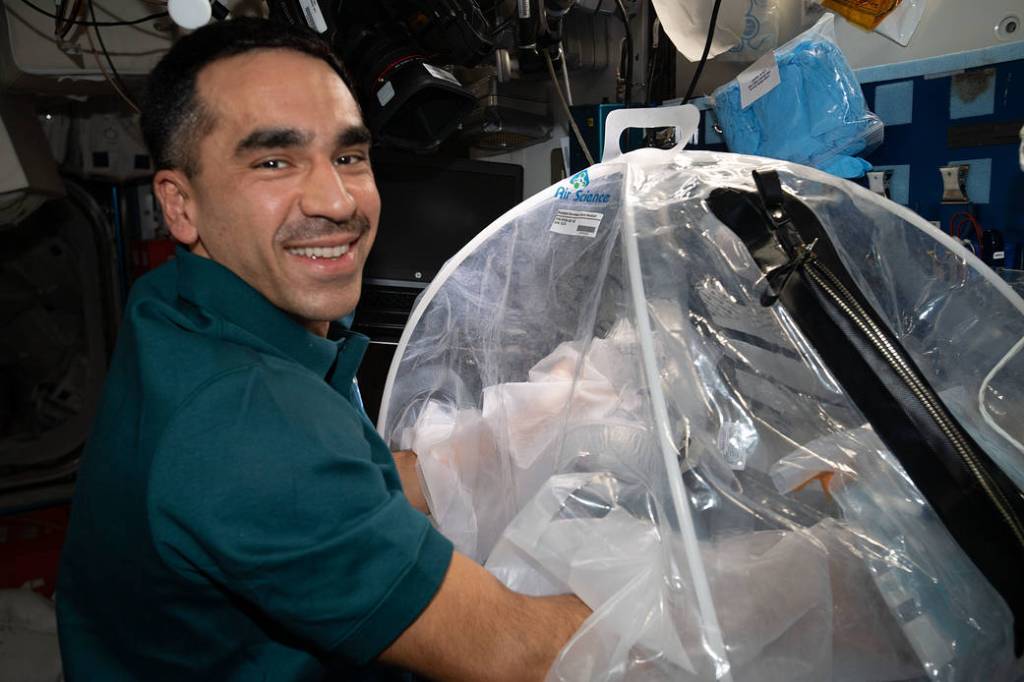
(576, 223)
(758, 80)
(442, 74)
(314, 17)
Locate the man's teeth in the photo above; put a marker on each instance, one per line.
(321, 252)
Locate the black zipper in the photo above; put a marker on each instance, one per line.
(979, 504)
(832, 288)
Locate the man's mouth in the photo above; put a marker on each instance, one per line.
(317, 252)
(322, 240)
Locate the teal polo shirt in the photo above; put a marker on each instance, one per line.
(236, 515)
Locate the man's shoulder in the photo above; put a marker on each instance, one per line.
(173, 358)
(170, 339)
(255, 392)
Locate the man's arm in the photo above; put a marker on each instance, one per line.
(405, 462)
(476, 629)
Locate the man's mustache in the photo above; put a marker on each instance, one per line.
(316, 228)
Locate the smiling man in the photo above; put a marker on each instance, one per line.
(288, 203)
(236, 516)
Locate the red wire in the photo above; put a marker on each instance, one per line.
(959, 220)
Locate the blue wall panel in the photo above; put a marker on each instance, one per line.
(996, 180)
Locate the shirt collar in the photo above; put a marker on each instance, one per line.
(224, 295)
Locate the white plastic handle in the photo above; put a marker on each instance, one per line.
(685, 119)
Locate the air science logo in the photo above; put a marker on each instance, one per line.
(579, 193)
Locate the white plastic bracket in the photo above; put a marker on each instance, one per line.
(954, 184)
(878, 182)
(685, 119)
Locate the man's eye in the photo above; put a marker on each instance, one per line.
(272, 164)
(349, 159)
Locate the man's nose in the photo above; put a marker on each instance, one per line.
(324, 194)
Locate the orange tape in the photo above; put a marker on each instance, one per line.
(824, 478)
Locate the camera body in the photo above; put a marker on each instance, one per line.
(398, 53)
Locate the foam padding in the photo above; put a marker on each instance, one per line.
(972, 93)
(894, 102)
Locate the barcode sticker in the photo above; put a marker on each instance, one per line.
(576, 223)
(314, 17)
(758, 80)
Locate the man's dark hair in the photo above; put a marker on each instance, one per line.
(174, 118)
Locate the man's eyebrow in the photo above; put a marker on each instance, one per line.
(273, 138)
(354, 136)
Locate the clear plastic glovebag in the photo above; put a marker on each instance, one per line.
(601, 404)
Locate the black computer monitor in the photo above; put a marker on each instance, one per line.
(431, 208)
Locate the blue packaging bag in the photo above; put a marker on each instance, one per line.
(816, 116)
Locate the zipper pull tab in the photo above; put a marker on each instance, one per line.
(771, 295)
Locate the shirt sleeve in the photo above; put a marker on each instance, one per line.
(264, 484)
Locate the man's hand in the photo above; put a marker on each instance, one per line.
(405, 461)
(476, 629)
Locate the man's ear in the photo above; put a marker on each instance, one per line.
(174, 192)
